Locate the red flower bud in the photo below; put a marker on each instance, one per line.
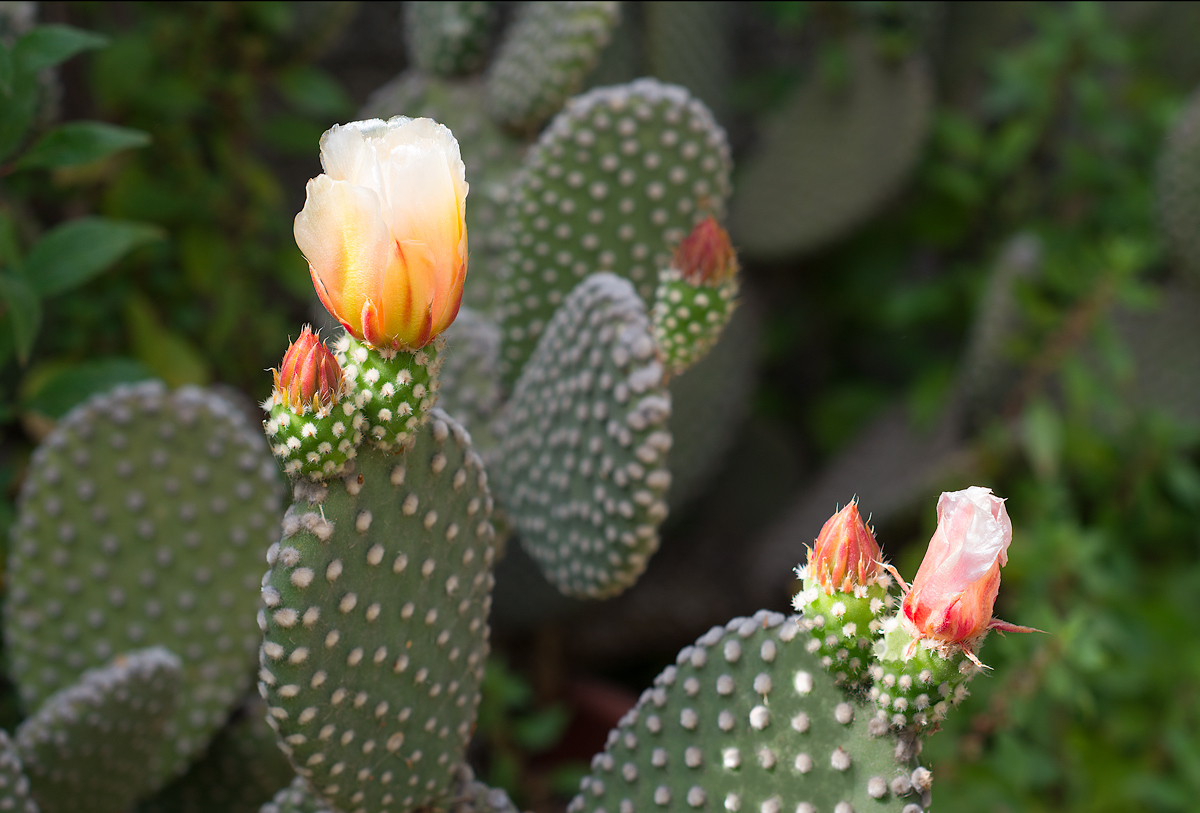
(846, 554)
(706, 256)
(309, 376)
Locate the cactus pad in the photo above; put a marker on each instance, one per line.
(376, 623)
(143, 521)
(688, 319)
(1179, 189)
(14, 784)
(296, 798)
(318, 443)
(395, 389)
(843, 627)
(747, 720)
(448, 37)
(615, 182)
(584, 442)
(89, 745)
(545, 56)
(917, 689)
(831, 157)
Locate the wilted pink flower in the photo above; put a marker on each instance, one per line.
(845, 555)
(309, 376)
(952, 597)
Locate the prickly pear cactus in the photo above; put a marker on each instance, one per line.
(918, 688)
(544, 59)
(613, 184)
(582, 470)
(240, 771)
(375, 626)
(296, 798)
(14, 784)
(832, 156)
(395, 390)
(1179, 189)
(142, 522)
(448, 37)
(95, 739)
(748, 720)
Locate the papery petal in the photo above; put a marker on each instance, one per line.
(343, 236)
(349, 152)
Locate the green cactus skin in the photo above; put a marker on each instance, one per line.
(448, 37)
(376, 623)
(296, 798)
(490, 155)
(581, 472)
(544, 59)
(14, 784)
(747, 720)
(688, 319)
(471, 376)
(920, 691)
(476, 797)
(142, 521)
(90, 744)
(241, 770)
(843, 627)
(395, 389)
(832, 157)
(317, 443)
(615, 182)
(1178, 190)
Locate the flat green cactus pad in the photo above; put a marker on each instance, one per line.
(143, 521)
(1179, 189)
(614, 183)
(296, 798)
(832, 156)
(14, 784)
(376, 623)
(90, 746)
(747, 720)
(583, 442)
(241, 770)
(448, 37)
(544, 58)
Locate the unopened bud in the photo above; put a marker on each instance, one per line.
(309, 377)
(706, 257)
(846, 554)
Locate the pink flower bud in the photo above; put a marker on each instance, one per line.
(309, 375)
(952, 597)
(706, 256)
(846, 554)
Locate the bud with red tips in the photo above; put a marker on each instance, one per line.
(695, 296)
(312, 429)
(845, 595)
(846, 554)
(309, 377)
(706, 257)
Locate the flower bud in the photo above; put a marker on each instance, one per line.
(951, 599)
(309, 377)
(706, 257)
(846, 554)
(384, 230)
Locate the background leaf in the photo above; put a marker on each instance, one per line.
(80, 142)
(71, 384)
(23, 310)
(74, 252)
(48, 45)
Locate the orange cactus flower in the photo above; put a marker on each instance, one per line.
(846, 554)
(952, 597)
(384, 230)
